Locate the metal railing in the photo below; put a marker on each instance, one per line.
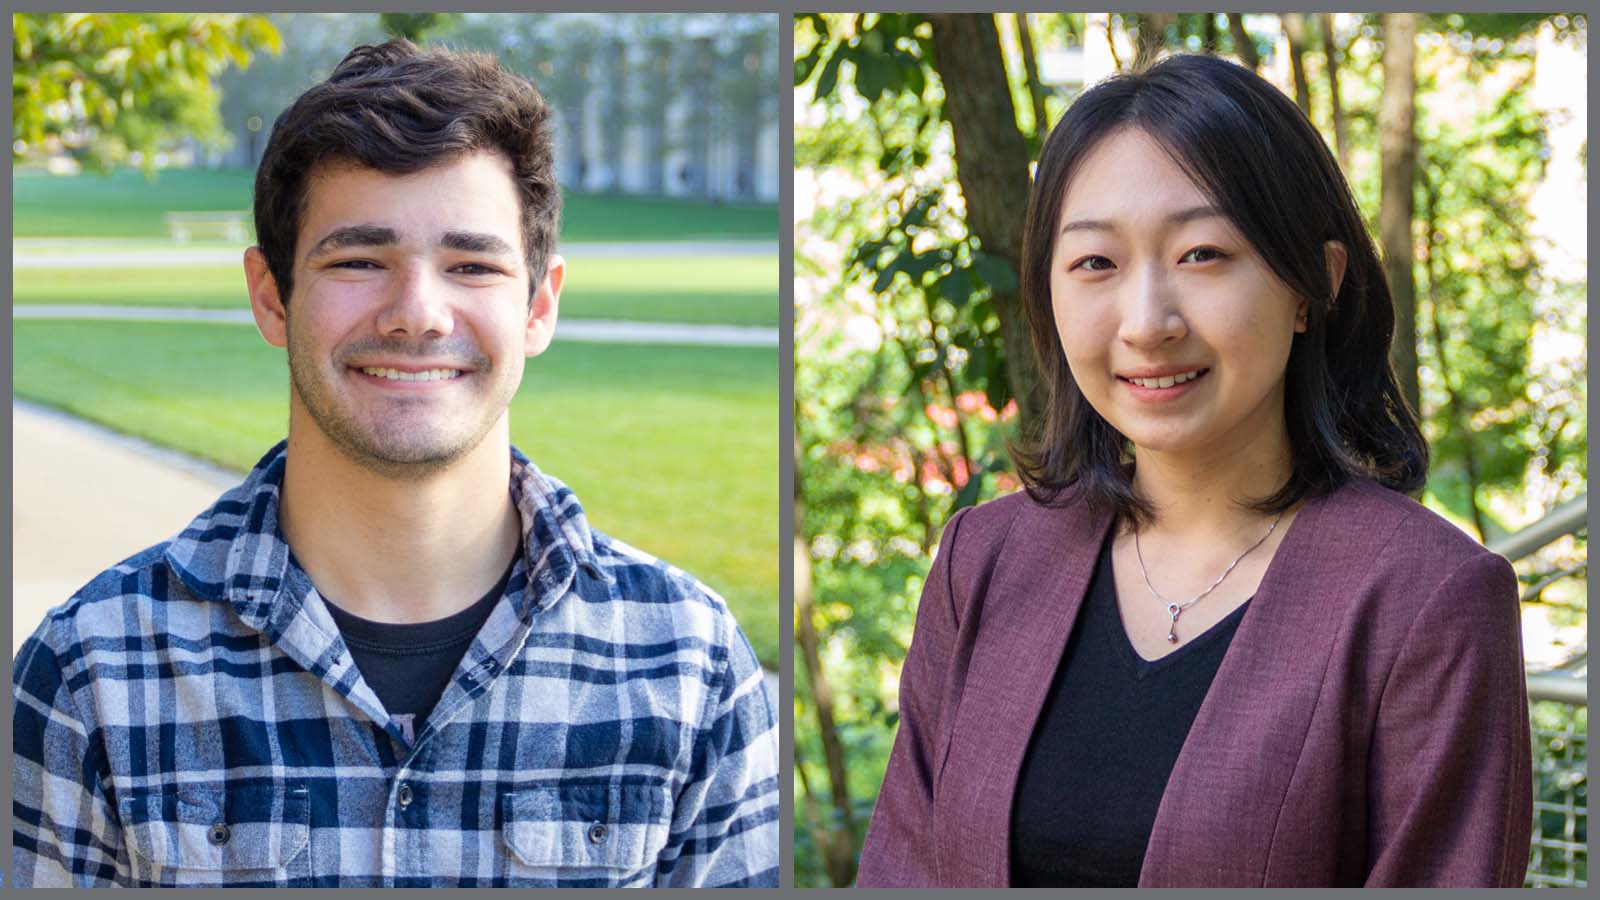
(1559, 715)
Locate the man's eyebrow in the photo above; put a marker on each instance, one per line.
(476, 242)
(1181, 217)
(354, 236)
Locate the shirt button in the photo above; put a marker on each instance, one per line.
(598, 833)
(219, 834)
(404, 796)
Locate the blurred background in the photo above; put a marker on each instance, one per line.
(1465, 138)
(141, 389)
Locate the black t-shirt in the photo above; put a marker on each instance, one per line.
(409, 666)
(1106, 741)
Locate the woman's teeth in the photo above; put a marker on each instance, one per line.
(1167, 381)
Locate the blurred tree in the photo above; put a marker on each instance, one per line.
(1243, 44)
(417, 27)
(1397, 150)
(1331, 52)
(1294, 31)
(112, 87)
(253, 96)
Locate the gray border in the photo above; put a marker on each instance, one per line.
(7, 567)
(786, 460)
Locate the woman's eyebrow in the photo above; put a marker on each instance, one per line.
(1181, 217)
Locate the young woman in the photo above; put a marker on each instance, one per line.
(1214, 643)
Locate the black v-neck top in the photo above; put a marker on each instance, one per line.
(1104, 746)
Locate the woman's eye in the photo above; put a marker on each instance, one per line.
(1093, 264)
(1202, 254)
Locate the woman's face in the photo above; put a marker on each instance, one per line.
(1176, 331)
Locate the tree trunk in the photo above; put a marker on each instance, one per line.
(1294, 28)
(1397, 155)
(992, 169)
(1330, 48)
(1242, 42)
(1151, 38)
(1208, 33)
(1030, 67)
(839, 850)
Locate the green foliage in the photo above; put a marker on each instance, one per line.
(415, 27)
(106, 86)
(898, 420)
(1479, 282)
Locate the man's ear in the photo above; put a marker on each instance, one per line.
(542, 309)
(265, 302)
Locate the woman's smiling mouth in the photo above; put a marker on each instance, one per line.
(1163, 387)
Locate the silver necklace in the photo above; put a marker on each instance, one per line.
(1176, 609)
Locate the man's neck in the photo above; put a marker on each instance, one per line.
(398, 549)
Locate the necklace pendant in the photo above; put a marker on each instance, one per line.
(1172, 633)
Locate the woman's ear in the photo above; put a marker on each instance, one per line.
(1338, 255)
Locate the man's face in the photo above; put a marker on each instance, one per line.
(410, 319)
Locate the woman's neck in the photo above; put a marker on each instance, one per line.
(1204, 495)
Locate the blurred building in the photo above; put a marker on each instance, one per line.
(675, 105)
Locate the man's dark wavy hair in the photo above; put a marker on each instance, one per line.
(399, 109)
(1259, 159)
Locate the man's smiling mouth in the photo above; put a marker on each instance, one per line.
(425, 375)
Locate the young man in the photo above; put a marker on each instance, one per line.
(397, 654)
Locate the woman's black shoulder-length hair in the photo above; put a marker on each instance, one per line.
(1260, 160)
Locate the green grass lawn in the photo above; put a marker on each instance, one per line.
(125, 204)
(673, 449)
(731, 290)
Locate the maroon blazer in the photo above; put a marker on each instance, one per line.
(1368, 725)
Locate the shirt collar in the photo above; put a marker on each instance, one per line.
(235, 551)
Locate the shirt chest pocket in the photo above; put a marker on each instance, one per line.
(608, 829)
(254, 834)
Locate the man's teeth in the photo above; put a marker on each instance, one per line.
(1167, 381)
(397, 375)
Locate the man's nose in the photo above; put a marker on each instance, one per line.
(1150, 313)
(416, 304)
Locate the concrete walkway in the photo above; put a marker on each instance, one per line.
(56, 253)
(85, 497)
(594, 331)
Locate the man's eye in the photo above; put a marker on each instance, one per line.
(1202, 254)
(1093, 264)
(477, 269)
(353, 264)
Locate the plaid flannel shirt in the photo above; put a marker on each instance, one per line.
(192, 717)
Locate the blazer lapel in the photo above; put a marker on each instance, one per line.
(1218, 814)
(1027, 613)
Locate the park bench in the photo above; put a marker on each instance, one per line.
(227, 224)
